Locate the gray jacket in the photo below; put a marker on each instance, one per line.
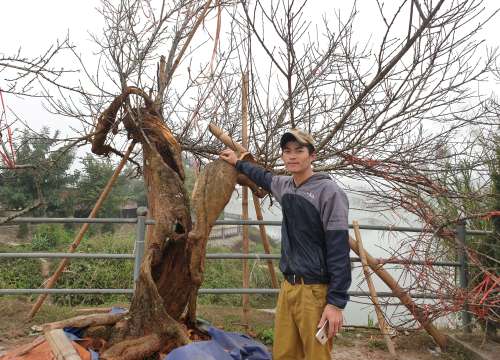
(314, 233)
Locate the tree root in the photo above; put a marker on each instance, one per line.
(133, 349)
(148, 328)
(85, 320)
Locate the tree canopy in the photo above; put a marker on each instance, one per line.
(49, 177)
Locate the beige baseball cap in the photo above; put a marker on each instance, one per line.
(298, 135)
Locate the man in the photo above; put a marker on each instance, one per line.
(314, 248)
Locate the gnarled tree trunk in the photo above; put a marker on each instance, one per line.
(163, 307)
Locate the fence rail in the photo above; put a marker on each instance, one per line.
(225, 291)
(40, 220)
(220, 256)
(141, 223)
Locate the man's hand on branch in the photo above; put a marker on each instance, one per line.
(229, 156)
(334, 316)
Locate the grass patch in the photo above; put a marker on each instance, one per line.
(102, 273)
(266, 336)
(229, 274)
(20, 273)
(345, 338)
(107, 273)
(80, 273)
(377, 344)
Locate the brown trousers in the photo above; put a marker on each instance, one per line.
(298, 313)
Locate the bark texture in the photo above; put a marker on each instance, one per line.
(163, 308)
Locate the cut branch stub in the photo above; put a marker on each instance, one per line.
(243, 154)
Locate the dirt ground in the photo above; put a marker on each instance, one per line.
(8, 235)
(352, 344)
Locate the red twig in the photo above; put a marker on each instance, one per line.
(9, 161)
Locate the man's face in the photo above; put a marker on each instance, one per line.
(296, 157)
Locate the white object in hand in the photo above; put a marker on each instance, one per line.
(322, 335)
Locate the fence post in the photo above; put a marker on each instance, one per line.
(139, 240)
(464, 272)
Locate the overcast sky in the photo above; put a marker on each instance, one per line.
(34, 25)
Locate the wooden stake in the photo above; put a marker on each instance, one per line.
(226, 139)
(407, 301)
(61, 346)
(62, 265)
(244, 136)
(380, 316)
(265, 241)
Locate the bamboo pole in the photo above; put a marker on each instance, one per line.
(246, 274)
(62, 265)
(244, 137)
(407, 301)
(265, 241)
(373, 294)
(226, 139)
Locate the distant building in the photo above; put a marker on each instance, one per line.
(129, 209)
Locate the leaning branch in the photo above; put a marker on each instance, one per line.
(37, 204)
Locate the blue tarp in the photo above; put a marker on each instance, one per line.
(223, 346)
(74, 334)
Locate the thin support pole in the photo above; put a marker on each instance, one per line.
(244, 137)
(373, 293)
(139, 240)
(62, 265)
(246, 273)
(265, 241)
(464, 273)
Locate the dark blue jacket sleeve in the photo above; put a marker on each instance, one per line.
(339, 267)
(257, 174)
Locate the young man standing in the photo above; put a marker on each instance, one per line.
(314, 249)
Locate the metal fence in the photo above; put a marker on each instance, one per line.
(141, 224)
